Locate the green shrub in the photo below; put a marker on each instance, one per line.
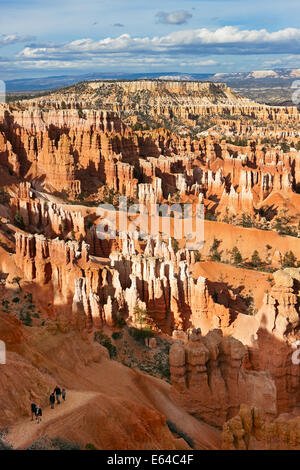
(18, 221)
(120, 322)
(4, 445)
(105, 341)
(246, 221)
(162, 365)
(139, 334)
(285, 147)
(210, 216)
(255, 259)
(81, 114)
(214, 254)
(117, 334)
(289, 260)
(26, 319)
(236, 257)
(28, 296)
(54, 443)
(90, 446)
(64, 444)
(173, 428)
(82, 196)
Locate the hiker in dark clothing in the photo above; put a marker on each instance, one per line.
(63, 394)
(52, 400)
(38, 414)
(57, 392)
(33, 410)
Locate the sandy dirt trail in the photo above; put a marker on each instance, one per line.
(23, 433)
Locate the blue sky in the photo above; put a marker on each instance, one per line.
(63, 37)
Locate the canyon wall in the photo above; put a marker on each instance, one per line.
(210, 381)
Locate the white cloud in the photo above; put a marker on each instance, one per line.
(8, 39)
(225, 40)
(199, 63)
(175, 17)
(91, 63)
(287, 61)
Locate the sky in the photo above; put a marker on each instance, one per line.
(41, 38)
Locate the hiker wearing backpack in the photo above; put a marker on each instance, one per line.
(57, 392)
(33, 410)
(38, 414)
(52, 400)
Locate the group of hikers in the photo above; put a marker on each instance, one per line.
(57, 394)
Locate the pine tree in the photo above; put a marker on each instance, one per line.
(255, 259)
(236, 257)
(289, 260)
(214, 254)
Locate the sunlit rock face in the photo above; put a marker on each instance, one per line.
(226, 315)
(210, 381)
